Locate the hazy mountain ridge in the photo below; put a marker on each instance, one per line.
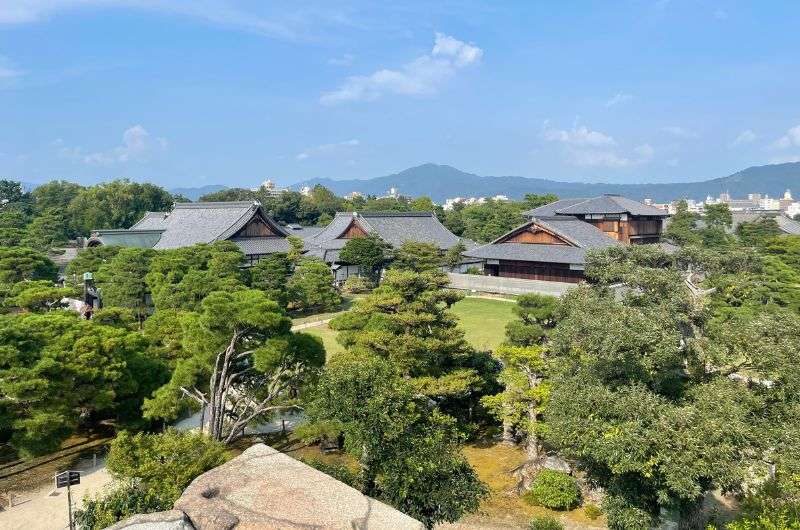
(441, 182)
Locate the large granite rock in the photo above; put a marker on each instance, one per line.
(171, 520)
(265, 489)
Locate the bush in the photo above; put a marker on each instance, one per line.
(121, 503)
(554, 489)
(592, 511)
(473, 270)
(545, 523)
(356, 284)
(340, 472)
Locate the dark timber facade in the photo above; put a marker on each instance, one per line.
(552, 245)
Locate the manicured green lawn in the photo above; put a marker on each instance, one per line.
(328, 337)
(484, 321)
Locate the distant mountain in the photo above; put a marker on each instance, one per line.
(440, 182)
(195, 193)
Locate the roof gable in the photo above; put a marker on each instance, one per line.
(610, 204)
(533, 233)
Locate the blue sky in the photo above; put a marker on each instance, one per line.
(193, 92)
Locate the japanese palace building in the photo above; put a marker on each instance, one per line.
(553, 243)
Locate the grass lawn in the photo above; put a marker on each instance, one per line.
(484, 320)
(328, 337)
(494, 463)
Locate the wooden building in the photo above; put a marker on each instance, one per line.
(552, 245)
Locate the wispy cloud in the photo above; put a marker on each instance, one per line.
(327, 149)
(680, 132)
(269, 19)
(424, 75)
(745, 137)
(137, 145)
(618, 99)
(8, 73)
(790, 139)
(589, 148)
(784, 159)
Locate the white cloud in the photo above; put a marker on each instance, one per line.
(424, 75)
(263, 18)
(680, 132)
(578, 136)
(790, 139)
(588, 148)
(784, 159)
(137, 146)
(618, 99)
(327, 149)
(8, 73)
(745, 137)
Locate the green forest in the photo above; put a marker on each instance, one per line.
(670, 375)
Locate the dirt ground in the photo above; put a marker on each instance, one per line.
(45, 508)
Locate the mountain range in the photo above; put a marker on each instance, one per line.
(440, 182)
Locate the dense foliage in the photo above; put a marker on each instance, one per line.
(554, 489)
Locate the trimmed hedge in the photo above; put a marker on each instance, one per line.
(554, 490)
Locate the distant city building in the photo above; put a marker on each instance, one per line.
(468, 201)
(268, 187)
(305, 190)
(354, 194)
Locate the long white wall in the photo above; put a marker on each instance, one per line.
(498, 285)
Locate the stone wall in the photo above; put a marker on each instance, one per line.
(498, 285)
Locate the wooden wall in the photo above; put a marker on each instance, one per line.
(256, 227)
(550, 272)
(535, 236)
(353, 230)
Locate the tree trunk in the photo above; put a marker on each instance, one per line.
(508, 433)
(532, 447)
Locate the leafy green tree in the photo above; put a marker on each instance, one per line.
(181, 278)
(718, 216)
(271, 275)
(452, 258)
(46, 231)
(122, 280)
(151, 471)
(243, 363)
(163, 463)
(295, 249)
(11, 191)
(417, 257)
(682, 227)
(89, 260)
(409, 454)
(11, 237)
(422, 204)
(58, 371)
(406, 321)
(369, 253)
(56, 194)
(20, 263)
(36, 295)
(519, 404)
(117, 204)
(758, 232)
(640, 385)
(533, 200)
(311, 285)
(536, 315)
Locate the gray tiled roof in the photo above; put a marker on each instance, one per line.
(787, 225)
(579, 233)
(393, 227)
(614, 204)
(549, 210)
(204, 222)
(152, 221)
(529, 252)
(262, 245)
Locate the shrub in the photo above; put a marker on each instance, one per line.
(121, 503)
(592, 511)
(473, 270)
(545, 523)
(554, 489)
(340, 472)
(356, 284)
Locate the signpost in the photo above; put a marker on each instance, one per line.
(65, 480)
